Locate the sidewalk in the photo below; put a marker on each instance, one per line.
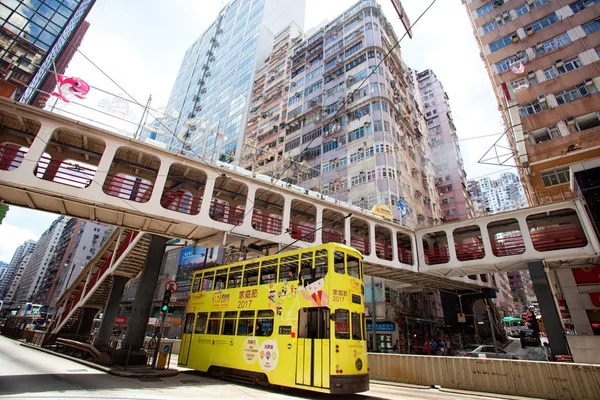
(138, 371)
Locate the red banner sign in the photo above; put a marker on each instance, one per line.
(595, 299)
(121, 320)
(586, 276)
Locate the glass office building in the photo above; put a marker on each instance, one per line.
(213, 87)
(32, 34)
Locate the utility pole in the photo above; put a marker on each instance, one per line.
(492, 328)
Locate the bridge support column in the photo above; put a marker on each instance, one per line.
(111, 310)
(87, 320)
(137, 323)
(550, 315)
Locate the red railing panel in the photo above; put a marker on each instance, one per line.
(384, 251)
(266, 223)
(224, 213)
(558, 238)
(405, 255)
(469, 251)
(11, 156)
(360, 244)
(439, 255)
(508, 246)
(64, 172)
(127, 188)
(302, 232)
(331, 236)
(180, 202)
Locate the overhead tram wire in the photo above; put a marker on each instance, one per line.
(343, 104)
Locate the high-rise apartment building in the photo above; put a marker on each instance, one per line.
(543, 58)
(265, 130)
(21, 251)
(450, 175)
(33, 35)
(39, 261)
(16, 280)
(213, 87)
(504, 193)
(353, 127)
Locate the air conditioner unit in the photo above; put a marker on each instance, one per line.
(530, 31)
(525, 134)
(559, 63)
(531, 75)
(514, 37)
(570, 121)
(506, 15)
(498, 18)
(588, 81)
(530, 2)
(539, 45)
(525, 164)
(520, 54)
(541, 98)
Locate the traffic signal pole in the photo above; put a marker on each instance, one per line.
(165, 310)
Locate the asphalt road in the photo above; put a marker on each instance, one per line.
(27, 373)
(528, 353)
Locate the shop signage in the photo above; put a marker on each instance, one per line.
(121, 320)
(383, 211)
(388, 327)
(461, 317)
(587, 275)
(595, 297)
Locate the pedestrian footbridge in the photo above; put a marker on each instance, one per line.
(51, 163)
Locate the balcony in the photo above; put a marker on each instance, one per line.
(558, 147)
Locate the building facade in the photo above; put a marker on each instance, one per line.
(9, 298)
(350, 134)
(212, 90)
(501, 194)
(38, 262)
(21, 251)
(32, 35)
(450, 175)
(543, 58)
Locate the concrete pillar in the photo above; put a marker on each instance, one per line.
(136, 324)
(86, 322)
(111, 309)
(550, 315)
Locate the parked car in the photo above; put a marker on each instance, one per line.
(529, 338)
(474, 350)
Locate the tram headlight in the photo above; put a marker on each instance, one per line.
(358, 364)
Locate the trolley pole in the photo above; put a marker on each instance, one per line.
(373, 325)
(157, 345)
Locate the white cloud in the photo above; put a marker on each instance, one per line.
(12, 237)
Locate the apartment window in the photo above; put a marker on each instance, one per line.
(485, 9)
(551, 72)
(353, 49)
(331, 145)
(591, 27)
(504, 65)
(520, 84)
(292, 145)
(358, 133)
(581, 5)
(501, 43)
(544, 134)
(543, 23)
(569, 65)
(532, 108)
(554, 44)
(575, 93)
(556, 176)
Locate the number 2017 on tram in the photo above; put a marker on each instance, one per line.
(294, 319)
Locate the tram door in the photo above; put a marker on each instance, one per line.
(313, 349)
(186, 339)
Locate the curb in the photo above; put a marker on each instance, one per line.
(167, 373)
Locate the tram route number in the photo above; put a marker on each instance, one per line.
(244, 303)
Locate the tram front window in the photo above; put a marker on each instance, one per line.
(338, 262)
(356, 331)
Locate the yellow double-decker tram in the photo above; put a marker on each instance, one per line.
(294, 319)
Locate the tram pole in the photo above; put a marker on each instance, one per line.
(373, 325)
(157, 344)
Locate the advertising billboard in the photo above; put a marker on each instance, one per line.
(191, 260)
(403, 16)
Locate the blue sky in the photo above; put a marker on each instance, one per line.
(139, 44)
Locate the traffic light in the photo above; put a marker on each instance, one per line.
(165, 303)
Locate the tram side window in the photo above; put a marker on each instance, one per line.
(338, 262)
(342, 324)
(353, 266)
(235, 277)
(321, 264)
(196, 285)
(288, 271)
(189, 323)
(306, 264)
(207, 282)
(201, 322)
(264, 321)
(268, 271)
(229, 323)
(356, 331)
(251, 275)
(364, 326)
(246, 323)
(221, 279)
(214, 323)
